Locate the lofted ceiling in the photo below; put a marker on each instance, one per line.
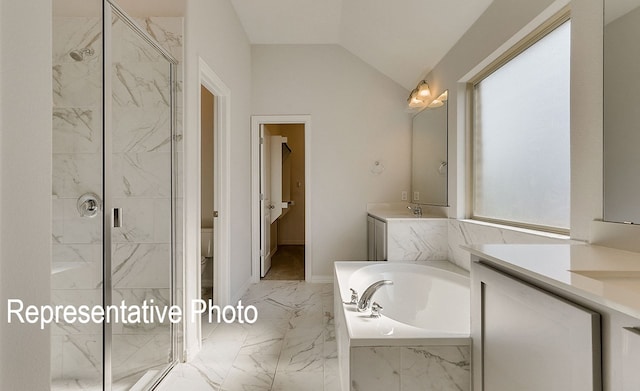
(403, 39)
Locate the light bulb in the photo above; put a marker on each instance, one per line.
(423, 89)
(435, 103)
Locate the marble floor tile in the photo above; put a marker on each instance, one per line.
(207, 328)
(251, 372)
(264, 340)
(294, 381)
(290, 347)
(188, 377)
(302, 350)
(331, 374)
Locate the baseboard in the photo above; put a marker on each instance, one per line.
(322, 279)
(291, 242)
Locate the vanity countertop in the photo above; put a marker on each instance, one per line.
(399, 211)
(397, 215)
(603, 275)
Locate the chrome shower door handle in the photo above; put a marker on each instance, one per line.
(117, 217)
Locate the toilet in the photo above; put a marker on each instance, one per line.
(206, 261)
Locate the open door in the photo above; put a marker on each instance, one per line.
(265, 200)
(278, 145)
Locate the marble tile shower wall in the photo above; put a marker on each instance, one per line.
(142, 187)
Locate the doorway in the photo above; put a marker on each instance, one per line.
(282, 188)
(221, 164)
(280, 171)
(207, 193)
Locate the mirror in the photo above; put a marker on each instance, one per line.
(429, 156)
(621, 113)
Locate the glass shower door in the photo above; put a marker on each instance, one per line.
(139, 157)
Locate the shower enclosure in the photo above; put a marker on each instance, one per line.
(114, 197)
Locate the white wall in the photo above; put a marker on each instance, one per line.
(622, 117)
(358, 116)
(25, 187)
(213, 32)
(502, 24)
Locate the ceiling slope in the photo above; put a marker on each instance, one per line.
(403, 39)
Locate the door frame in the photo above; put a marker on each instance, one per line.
(222, 195)
(265, 155)
(256, 221)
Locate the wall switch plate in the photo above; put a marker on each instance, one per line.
(416, 196)
(404, 196)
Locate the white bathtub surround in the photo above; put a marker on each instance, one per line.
(422, 239)
(291, 346)
(422, 339)
(411, 368)
(433, 237)
(400, 210)
(410, 237)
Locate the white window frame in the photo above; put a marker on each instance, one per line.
(542, 31)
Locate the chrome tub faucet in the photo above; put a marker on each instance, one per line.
(417, 210)
(365, 300)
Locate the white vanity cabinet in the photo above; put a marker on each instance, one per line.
(535, 311)
(376, 239)
(527, 339)
(631, 359)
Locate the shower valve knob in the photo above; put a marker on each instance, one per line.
(89, 205)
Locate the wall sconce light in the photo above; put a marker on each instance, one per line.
(419, 95)
(423, 89)
(439, 101)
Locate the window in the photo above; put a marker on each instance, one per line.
(521, 162)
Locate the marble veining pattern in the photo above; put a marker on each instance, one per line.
(415, 368)
(417, 240)
(375, 368)
(435, 368)
(76, 130)
(142, 177)
(292, 346)
(462, 232)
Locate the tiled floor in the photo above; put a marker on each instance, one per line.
(291, 347)
(287, 264)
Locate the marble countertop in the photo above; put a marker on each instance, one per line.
(395, 215)
(398, 211)
(603, 275)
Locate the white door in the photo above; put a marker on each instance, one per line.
(265, 200)
(276, 176)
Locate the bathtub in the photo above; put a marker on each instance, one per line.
(421, 341)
